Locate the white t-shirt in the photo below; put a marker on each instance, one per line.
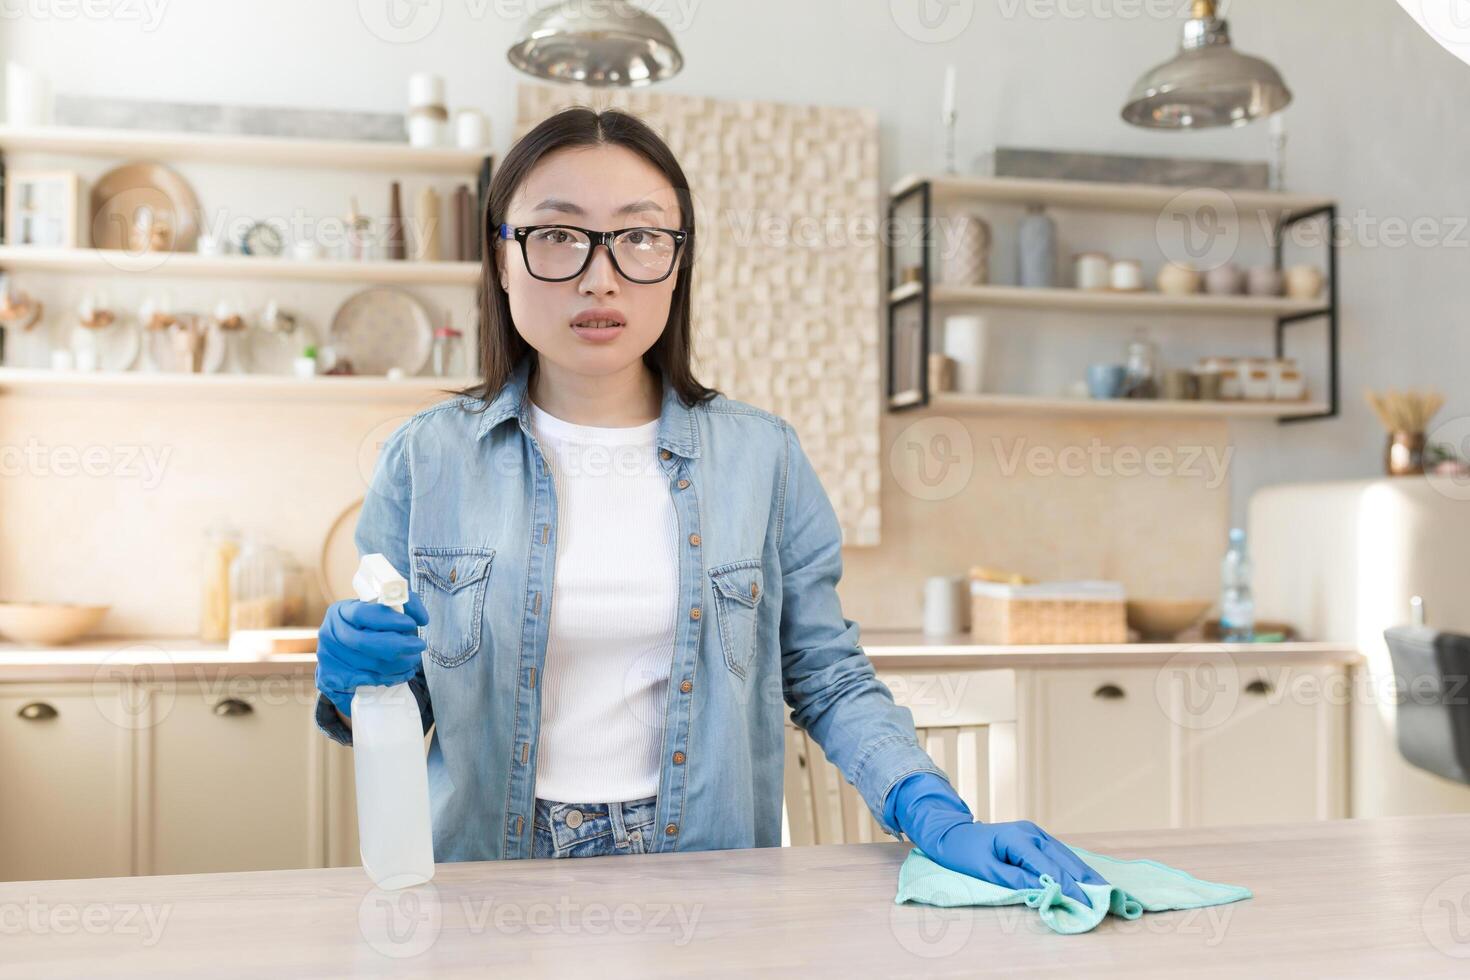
(614, 598)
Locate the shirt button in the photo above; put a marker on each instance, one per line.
(672, 829)
(683, 484)
(664, 454)
(686, 687)
(694, 613)
(678, 758)
(573, 819)
(694, 540)
(755, 590)
(452, 573)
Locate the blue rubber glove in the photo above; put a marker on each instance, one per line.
(366, 643)
(1015, 855)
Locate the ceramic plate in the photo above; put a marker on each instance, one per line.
(116, 344)
(378, 329)
(161, 355)
(124, 193)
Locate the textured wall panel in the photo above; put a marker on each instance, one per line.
(786, 289)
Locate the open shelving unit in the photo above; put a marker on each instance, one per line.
(1277, 211)
(265, 151)
(237, 150)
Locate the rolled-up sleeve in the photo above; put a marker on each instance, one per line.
(382, 528)
(827, 680)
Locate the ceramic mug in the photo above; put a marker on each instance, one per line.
(1106, 380)
(1304, 282)
(1224, 280)
(1178, 280)
(1092, 271)
(1264, 280)
(1126, 276)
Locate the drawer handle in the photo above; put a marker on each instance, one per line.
(1109, 692)
(37, 711)
(233, 708)
(1258, 686)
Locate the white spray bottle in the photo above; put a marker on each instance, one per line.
(393, 828)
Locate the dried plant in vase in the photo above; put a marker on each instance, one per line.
(1406, 416)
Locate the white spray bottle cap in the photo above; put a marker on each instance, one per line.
(378, 581)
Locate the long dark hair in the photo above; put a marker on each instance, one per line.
(501, 347)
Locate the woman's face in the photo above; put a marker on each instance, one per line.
(602, 188)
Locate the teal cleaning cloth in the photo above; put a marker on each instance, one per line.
(1134, 887)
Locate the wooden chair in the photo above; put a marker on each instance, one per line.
(965, 720)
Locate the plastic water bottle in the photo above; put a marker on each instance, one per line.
(1237, 605)
(393, 829)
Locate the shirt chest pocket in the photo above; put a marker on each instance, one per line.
(738, 588)
(451, 582)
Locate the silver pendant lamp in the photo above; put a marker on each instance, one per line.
(1208, 83)
(604, 44)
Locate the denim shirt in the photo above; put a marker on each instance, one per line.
(463, 504)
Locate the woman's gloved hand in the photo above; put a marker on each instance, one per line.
(1015, 855)
(366, 643)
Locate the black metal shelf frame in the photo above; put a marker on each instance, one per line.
(918, 396)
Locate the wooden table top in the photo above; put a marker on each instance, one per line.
(1343, 898)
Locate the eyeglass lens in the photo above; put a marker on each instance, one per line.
(640, 253)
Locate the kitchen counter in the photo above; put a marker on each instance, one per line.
(1341, 898)
(188, 658)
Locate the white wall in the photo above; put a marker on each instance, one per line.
(1373, 122)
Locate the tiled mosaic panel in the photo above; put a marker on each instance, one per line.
(786, 291)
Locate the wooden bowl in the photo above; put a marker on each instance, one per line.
(48, 623)
(1164, 619)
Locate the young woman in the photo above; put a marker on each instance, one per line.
(621, 578)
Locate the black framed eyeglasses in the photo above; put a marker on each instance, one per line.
(556, 253)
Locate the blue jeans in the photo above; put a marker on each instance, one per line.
(592, 829)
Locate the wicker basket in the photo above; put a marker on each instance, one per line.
(1054, 612)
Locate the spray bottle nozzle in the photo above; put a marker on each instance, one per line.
(378, 581)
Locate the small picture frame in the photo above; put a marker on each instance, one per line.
(43, 208)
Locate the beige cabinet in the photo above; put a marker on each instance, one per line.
(164, 776)
(229, 777)
(66, 796)
(1201, 742)
(1096, 750)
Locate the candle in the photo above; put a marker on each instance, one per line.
(949, 92)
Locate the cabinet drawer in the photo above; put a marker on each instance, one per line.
(66, 804)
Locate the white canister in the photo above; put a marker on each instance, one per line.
(62, 359)
(471, 129)
(27, 96)
(946, 602)
(425, 130)
(1255, 379)
(425, 88)
(1126, 276)
(964, 341)
(1091, 270)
